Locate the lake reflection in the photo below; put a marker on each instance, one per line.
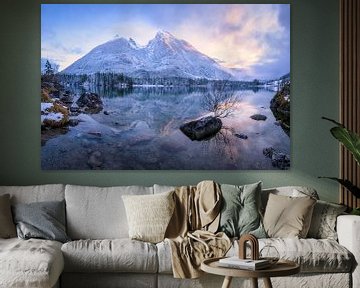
(141, 131)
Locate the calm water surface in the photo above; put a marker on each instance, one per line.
(142, 132)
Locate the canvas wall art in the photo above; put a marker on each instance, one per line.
(165, 86)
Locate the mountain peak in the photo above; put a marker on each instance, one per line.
(164, 35)
(133, 43)
(163, 56)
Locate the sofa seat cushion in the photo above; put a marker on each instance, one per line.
(98, 213)
(115, 255)
(30, 263)
(313, 255)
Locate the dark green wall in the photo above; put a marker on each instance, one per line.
(314, 73)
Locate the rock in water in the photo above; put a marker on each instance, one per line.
(202, 129)
(278, 159)
(90, 103)
(241, 136)
(95, 160)
(67, 98)
(258, 117)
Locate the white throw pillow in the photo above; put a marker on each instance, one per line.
(149, 215)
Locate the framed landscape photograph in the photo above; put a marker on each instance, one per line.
(165, 86)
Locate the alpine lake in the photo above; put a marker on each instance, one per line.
(138, 129)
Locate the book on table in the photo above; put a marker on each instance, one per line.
(236, 262)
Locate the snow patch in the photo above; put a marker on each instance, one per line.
(46, 106)
(52, 116)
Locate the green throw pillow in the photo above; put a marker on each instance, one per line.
(240, 210)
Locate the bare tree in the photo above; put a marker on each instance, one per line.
(220, 99)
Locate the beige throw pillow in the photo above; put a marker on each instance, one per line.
(7, 226)
(149, 215)
(288, 217)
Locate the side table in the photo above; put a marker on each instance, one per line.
(281, 268)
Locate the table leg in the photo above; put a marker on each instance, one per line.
(254, 282)
(267, 283)
(227, 282)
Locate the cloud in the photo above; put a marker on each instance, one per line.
(241, 35)
(250, 37)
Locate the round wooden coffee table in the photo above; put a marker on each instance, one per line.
(281, 268)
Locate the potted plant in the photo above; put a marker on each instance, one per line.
(351, 141)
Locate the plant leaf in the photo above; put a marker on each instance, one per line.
(349, 139)
(347, 184)
(333, 121)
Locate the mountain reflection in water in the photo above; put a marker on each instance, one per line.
(141, 131)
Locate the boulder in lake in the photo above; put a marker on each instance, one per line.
(202, 129)
(258, 117)
(278, 159)
(95, 160)
(90, 103)
(241, 136)
(67, 98)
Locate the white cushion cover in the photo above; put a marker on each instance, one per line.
(301, 280)
(36, 193)
(30, 263)
(348, 229)
(313, 255)
(162, 188)
(149, 215)
(108, 280)
(117, 255)
(98, 213)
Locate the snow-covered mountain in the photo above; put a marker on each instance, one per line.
(163, 56)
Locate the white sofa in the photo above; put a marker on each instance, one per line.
(101, 255)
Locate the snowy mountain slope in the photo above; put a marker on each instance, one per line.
(163, 56)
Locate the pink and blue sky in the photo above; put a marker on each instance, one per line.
(252, 37)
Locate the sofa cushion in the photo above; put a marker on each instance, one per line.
(291, 191)
(163, 188)
(323, 222)
(7, 226)
(43, 220)
(240, 210)
(287, 216)
(98, 213)
(149, 215)
(109, 280)
(313, 255)
(36, 193)
(117, 255)
(30, 263)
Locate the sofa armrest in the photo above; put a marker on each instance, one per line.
(348, 230)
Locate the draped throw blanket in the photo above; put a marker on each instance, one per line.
(191, 231)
